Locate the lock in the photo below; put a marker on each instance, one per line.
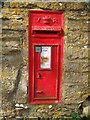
(38, 75)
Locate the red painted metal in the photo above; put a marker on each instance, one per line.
(45, 30)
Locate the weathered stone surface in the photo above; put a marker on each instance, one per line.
(45, 5)
(13, 4)
(77, 15)
(22, 5)
(22, 87)
(58, 6)
(77, 38)
(75, 78)
(76, 6)
(74, 52)
(78, 25)
(7, 50)
(5, 13)
(9, 35)
(8, 79)
(76, 66)
(15, 60)
(7, 108)
(5, 24)
(6, 4)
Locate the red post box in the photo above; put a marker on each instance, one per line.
(45, 56)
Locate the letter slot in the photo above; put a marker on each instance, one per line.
(44, 33)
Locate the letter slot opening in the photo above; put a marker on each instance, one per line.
(45, 33)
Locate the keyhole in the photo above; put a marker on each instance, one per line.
(39, 75)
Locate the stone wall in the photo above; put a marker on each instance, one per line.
(14, 36)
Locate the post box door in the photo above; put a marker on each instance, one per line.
(46, 71)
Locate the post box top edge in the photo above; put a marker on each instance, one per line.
(46, 11)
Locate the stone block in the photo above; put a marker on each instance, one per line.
(81, 25)
(77, 38)
(13, 4)
(13, 58)
(71, 66)
(6, 4)
(57, 6)
(9, 75)
(45, 5)
(77, 15)
(29, 4)
(76, 6)
(11, 34)
(16, 24)
(75, 78)
(22, 87)
(74, 52)
(76, 66)
(5, 13)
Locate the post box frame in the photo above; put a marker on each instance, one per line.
(32, 100)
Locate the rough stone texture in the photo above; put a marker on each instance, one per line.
(15, 60)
